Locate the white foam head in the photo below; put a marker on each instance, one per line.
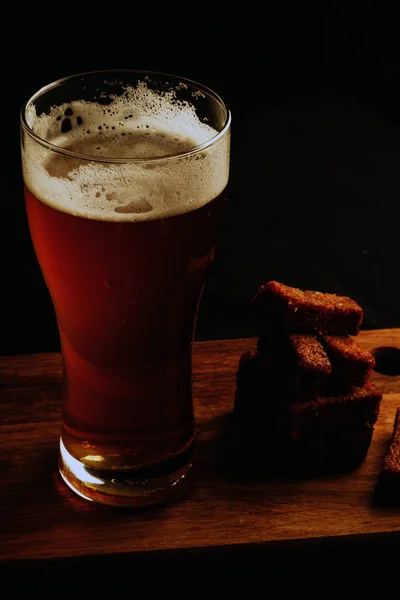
(112, 181)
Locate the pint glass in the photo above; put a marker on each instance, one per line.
(125, 175)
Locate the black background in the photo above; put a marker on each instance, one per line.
(315, 177)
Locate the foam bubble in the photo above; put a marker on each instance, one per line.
(138, 124)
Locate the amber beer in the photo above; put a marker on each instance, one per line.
(126, 297)
(123, 210)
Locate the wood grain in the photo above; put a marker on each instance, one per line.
(42, 519)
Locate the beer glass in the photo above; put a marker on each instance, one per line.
(125, 174)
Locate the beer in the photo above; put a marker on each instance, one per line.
(125, 295)
(124, 239)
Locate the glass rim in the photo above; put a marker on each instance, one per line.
(115, 159)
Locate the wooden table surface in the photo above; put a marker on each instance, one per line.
(42, 521)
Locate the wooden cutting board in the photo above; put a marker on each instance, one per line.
(42, 519)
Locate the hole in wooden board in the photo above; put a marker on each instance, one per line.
(387, 360)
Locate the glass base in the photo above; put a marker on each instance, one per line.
(128, 488)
